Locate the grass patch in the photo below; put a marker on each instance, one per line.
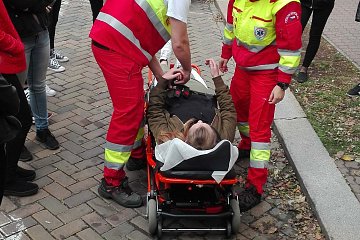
(334, 116)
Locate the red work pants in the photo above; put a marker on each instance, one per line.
(126, 88)
(250, 92)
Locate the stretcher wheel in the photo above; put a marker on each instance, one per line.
(152, 213)
(228, 229)
(235, 221)
(159, 228)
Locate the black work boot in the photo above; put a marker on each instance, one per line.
(25, 174)
(249, 198)
(25, 155)
(121, 194)
(20, 188)
(47, 138)
(134, 164)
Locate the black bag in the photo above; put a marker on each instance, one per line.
(9, 128)
(187, 104)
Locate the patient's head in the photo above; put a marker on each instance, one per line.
(196, 133)
(200, 135)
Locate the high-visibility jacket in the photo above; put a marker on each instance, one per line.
(134, 28)
(259, 40)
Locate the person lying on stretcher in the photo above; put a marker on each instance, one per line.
(208, 122)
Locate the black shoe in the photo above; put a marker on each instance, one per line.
(25, 174)
(302, 77)
(25, 155)
(20, 188)
(249, 198)
(122, 194)
(47, 138)
(243, 154)
(355, 91)
(134, 164)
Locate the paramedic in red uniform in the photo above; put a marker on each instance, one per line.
(264, 38)
(126, 35)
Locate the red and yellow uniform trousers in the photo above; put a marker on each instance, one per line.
(264, 38)
(126, 35)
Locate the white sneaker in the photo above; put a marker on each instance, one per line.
(27, 94)
(55, 66)
(58, 55)
(50, 92)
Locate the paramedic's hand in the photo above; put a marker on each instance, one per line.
(214, 68)
(277, 94)
(223, 65)
(172, 74)
(184, 78)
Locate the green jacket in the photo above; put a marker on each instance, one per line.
(224, 122)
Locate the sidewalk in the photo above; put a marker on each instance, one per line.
(336, 207)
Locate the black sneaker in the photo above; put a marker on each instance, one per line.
(47, 138)
(302, 77)
(20, 188)
(134, 164)
(249, 198)
(121, 194)
(25, 174)
(355, 91)
(25, 155)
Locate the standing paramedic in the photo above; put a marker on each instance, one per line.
(264, 38)
(126, 35)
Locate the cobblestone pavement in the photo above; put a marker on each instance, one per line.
(68, 206)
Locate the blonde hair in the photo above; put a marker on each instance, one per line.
(200, 138)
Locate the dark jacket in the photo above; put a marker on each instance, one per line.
(317, 4)
(160, 120)
(357, 16)
(9, 105)
(28, 16)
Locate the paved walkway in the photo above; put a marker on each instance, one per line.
(67, 205)
(342, 31)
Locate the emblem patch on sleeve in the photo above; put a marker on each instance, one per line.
(291, 17)
(260, 33)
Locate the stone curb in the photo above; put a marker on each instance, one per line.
(336, 207)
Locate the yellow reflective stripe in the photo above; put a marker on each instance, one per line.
(261, 67)
(156, 16)
(259, 155)
(140, 134)
(289, 64)
(244, 128)
(123, 30)
(116, 157)
(228, 37)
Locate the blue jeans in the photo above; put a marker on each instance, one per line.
(37, 52)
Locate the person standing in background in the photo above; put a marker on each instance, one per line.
(55, 55)
(96, 5)
(320, 10)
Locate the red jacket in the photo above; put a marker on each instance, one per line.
(12, 54)
(288, 36)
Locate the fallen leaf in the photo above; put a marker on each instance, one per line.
(339, 154)
(347, 158)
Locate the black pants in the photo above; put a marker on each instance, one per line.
(2, 170)
(319, 19)
(13, 148)
(53, 19)
(96, 5)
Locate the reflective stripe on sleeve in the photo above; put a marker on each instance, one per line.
(244, 128)
(261, 67)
